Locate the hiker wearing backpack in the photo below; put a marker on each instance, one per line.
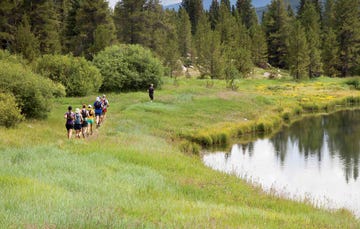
(70, 117)
(98, 111)
(78, 122)
(105, 105)
(90, 119)
(84, 125)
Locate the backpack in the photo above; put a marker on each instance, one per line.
(97, 105)
(84, 113)
(77, 118)
(68, 116)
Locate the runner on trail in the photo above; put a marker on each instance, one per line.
(90, 119)
(105, 105)
(84, 125)
(78, 123)
(69, 116)
(98, 111)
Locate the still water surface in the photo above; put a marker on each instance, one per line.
(316, 159)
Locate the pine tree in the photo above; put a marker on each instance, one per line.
(10, 17)
(310, 19)
(246, 12)
(169, 48)
(128, 19)
(89, 21)
(298, 52)
(194, 8)
(316, 3)
(235, 43)
(207, 43)
(330, 52)
(347, 26)
(258, 46)
(214, 13)
(276, 27)
(330, 45)
(329, 14)
(26, 42)
(184, 33)
(45, 23)
(62, 8)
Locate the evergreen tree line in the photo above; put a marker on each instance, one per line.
(224, 42)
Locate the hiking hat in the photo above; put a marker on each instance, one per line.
(77, 110)
(89, 106)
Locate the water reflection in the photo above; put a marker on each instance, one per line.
(318, 156)
(339, 133)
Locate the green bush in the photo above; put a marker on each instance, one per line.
(128, 68)
(32, 92)
(6, 56)
(78, 75)
(10, 113)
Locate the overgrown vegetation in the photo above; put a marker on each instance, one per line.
(79, 76)
(133, 172)
(128, 68)
(33, 93)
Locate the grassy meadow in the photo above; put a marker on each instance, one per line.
(142, 168)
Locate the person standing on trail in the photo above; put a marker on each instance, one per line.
(98, 111)
(151, 92)
(69, 116)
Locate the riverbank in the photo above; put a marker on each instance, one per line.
(139, 170)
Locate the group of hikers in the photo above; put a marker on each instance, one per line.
(82, 120)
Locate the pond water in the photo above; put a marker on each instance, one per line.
(315, 159)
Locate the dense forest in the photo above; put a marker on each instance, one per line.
(224, 41)
(69, 41)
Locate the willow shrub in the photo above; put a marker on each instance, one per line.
(32, 92)
(128, 68)
(10, 113)
(78, 75)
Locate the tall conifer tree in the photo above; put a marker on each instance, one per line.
(128, 18)
(310, 19)
(184, 33)
(330, 45)
(246, 12)
(347, 26)
(90, 27)
(298, 52)
(207, 42)
(276, 26)
(26, 43)
(214, 13)
(194, 8)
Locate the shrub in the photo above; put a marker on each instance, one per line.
(32, 92)
(128, 68)
(355, 82)
(78, 75)
(10, 113)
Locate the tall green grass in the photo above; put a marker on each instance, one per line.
(132, 173)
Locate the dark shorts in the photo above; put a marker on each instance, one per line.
(84, 124)
(151, 96)
(98, 112)
(77, 126)
(69, 126)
